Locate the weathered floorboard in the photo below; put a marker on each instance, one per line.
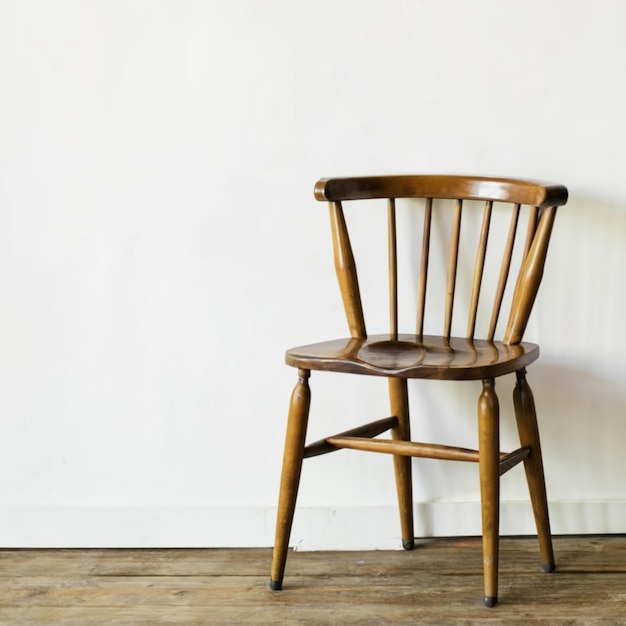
(438, 583)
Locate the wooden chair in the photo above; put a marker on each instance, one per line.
(400, 356)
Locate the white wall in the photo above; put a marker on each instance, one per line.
(160, 248)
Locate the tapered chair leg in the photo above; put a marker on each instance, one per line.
(290, 479)
(489, 467)
(526, 417)
(399, 401)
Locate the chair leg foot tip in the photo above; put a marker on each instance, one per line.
(408, 545)
(276, 585)
(548, 568)
(491, 601)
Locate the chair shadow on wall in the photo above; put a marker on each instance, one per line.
(580, 415)
(580, 389)
(583, 430)
(580, 379)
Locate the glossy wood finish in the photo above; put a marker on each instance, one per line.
(401, 433)
(489, 465)
(393, 268)
(323, 446)
(543, 198)
(290, 479)
(453, 262)
(479, 268)
(505, 268)
(400, 356)
(508, 460)
(423, 274)
(532, 193)
(526, 417)
(346, 272)
(412, 356)
(529, 279)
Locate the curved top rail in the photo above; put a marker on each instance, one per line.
(529, 192)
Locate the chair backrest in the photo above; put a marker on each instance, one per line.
(456, 194)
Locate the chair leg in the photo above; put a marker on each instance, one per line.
(399, 400)
(489, 466)
(290, 479)
(526, 417)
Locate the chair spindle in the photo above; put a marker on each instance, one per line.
(479, 269)
(452, 266)
(533, 219)
(423, 277)
(393, 269)
(529, 278)
(504, 272)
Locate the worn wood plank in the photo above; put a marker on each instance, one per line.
(439, 583)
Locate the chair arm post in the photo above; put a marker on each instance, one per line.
(529, 279)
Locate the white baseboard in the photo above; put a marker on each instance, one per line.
(315, 528)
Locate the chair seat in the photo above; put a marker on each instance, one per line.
(414, 356)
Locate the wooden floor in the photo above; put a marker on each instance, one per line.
(438, 583)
